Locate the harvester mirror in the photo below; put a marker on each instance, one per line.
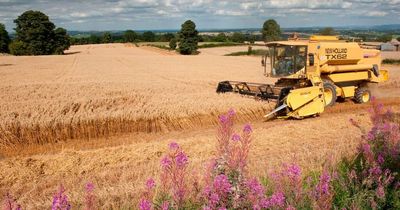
(311, 59)
(263, 60)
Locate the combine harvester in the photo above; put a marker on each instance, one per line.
(313, 74)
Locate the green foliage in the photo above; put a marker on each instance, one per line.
(38, 35)
(166, 37)
(188, 38)
(220, 44)
(385, 38)
(221, 37)
(172, 44)
(18, 48)
(130, 36)
(271, 31)
(238, 37)
(62, 41)
(149, 36)
(93, 39)
(328, 31)
(107, 38)
(258, 52)
(4, 39)
(391, 61)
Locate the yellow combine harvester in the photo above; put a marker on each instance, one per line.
(313, 74)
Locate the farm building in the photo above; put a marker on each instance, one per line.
(393, 45)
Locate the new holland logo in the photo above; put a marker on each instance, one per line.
(336, 53)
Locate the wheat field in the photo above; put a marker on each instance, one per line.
(100, 90)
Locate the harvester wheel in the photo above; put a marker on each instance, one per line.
(329, 93)
(362, 95)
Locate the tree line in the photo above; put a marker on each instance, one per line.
(37, 35)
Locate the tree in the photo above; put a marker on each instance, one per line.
(385, 38)
(93, 39)
(35, 35)
(4, 39)
(130, 36)
(167, 37)
(238, 37)
(271, 31)
(172, 44)
(62, 41)
(188, 36)
(107, 38)
(221, 37)
(18, 48)
(328, 31)
(149, 36)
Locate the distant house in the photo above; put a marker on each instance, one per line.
(396, 44)
(393, 45)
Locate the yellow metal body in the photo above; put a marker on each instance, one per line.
(344, 64)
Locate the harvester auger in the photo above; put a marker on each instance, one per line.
(313, 74)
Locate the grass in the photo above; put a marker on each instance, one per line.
(164, 47)
(219, 44)
(391, 61)
(258, 52)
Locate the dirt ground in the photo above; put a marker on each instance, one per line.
(101, 76)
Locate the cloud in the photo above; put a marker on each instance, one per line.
(157, 14)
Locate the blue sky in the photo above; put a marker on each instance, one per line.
(207, 14)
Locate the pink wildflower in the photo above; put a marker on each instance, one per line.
(221, 184)
(223, 119)
(166, 162)
(236, 137)
(380, 191)
(90, 199)
(150, 183)
(60, 200)
(165, 205)
(145, 204)
(231, 112)
(247, 128)
(181, 159)
(173, 146)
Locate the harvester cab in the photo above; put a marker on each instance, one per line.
(312, 74)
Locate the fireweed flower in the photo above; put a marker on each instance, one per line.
(255, 187)
(181, 159)
(90, 199)
(247, 128)
(236, 137)
(165, 205)
(380, 191)
(145, 204)
(166, 162)
(231, 112)
(60, 200)
(173, 146)
(89, 187)
(150, 183)
(223, 119)
(221, 184)
(293, 172)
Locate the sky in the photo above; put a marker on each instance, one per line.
(207, 14)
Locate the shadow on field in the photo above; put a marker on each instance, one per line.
(6, 64)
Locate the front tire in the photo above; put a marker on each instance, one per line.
(362, 95)
(329, 93)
